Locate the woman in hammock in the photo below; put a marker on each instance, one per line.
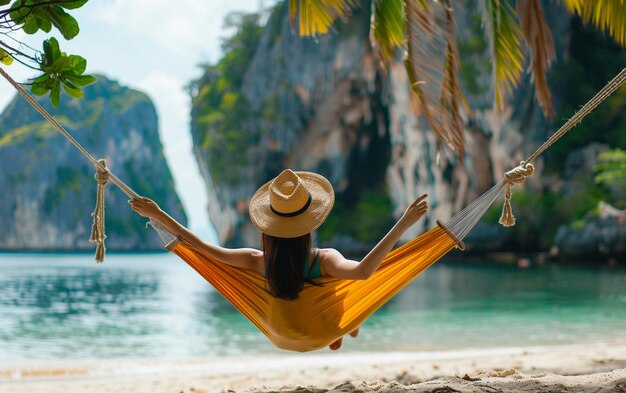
(286, 210)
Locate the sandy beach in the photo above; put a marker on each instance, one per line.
(571, 368)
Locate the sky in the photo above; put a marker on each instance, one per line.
(155, 46)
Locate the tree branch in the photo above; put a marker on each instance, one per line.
(17, 52)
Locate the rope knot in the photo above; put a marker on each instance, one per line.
(519, 174)
(512, 178)
(97, 229)
(102, 174)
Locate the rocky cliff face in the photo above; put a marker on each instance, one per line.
(327, 105)
(314, 105)
(47, 186)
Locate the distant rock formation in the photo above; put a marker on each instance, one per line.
(47, 187)
(601, 232)
(595, 237)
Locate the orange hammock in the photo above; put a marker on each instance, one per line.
(323, 313)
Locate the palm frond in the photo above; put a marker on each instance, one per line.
(387, 30)
(293, 13)
(574, 6)
(541, 45)
(451, 92)
(504, 37)
(432, 66)
(605, 15)
(317, 16)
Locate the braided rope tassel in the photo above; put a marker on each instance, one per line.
(97, 229)
(513, 177)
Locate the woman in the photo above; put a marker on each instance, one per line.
(286, 210)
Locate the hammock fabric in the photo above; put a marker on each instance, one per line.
(323, 313)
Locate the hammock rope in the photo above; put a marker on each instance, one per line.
(97, 229)
(518, 174)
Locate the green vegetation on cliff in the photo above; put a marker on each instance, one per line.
(220, 110)
(366, 221)
(611, 168)
(579, 78)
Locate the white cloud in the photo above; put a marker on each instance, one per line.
(166, 90)
(182, 28)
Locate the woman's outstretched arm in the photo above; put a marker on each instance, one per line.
(336, 265)
(247, 258)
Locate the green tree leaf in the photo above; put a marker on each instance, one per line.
(18, 14)
(67, 25)
(43, 21)
(82, 80)
(61, 64)
(51, 51)
(30, 26)
(38, 89)
(5, 58)
(70, 5)
(78, 64)
(72, 89)
(55, 93)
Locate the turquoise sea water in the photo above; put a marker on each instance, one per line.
(135, 306)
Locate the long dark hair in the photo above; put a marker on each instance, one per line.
(284, 264)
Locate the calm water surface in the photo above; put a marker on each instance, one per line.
(69, 307)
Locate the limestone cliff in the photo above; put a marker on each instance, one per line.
(47, 186)
(327, 105)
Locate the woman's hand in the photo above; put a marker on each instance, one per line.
(146, 207)
(414, 212)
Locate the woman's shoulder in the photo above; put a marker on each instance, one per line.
(256, 259)
(329, 254)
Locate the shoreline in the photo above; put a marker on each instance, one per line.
(536, 258)
(323, 370)
(496, 258)
(78, 252)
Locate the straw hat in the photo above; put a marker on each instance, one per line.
(292, 205)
